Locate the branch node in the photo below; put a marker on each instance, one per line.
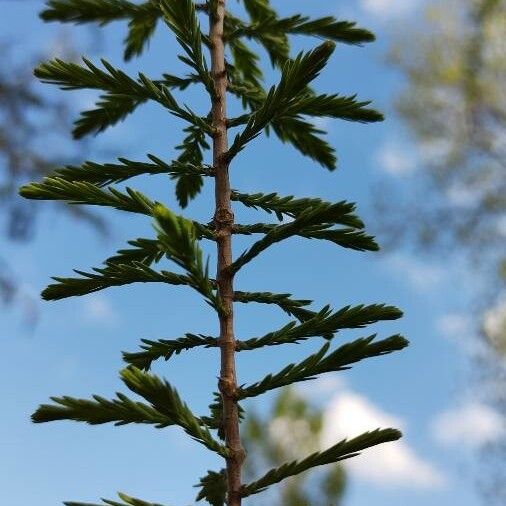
(223, 219)
(227, 387)
(237, 454)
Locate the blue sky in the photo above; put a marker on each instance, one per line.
(74, 348)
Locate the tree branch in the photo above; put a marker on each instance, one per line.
(223, 222)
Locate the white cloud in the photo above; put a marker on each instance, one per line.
(454, 325)
(471, 424)
(421, 275)
(98, 309)
(396, 160)
(461, 330)
(388, 8)
(322, 386)
(390, 464)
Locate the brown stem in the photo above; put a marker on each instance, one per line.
(223, 223)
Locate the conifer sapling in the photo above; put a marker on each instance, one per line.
(220, 61)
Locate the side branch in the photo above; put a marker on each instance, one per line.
(293, 307)
(166, 348)
(322, 362)
(341, 451)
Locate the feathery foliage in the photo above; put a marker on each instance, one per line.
(268, 447)
(107, 173)
(320, 362)
(125, 501)
(290, 306)
(166, 348)
(324, 323)
(213, 488)
(340, 451)
(219, 60)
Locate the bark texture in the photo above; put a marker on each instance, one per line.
(223, 223)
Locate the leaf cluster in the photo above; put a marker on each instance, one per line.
(126, 501)
(313, 222)
(321, 362)
(177, 238)
(324, 323)
(343, 450)
(213, 488)
(165, 408)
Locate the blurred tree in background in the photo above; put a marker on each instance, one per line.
(454, 104)
(289, 431)
(34, 139)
